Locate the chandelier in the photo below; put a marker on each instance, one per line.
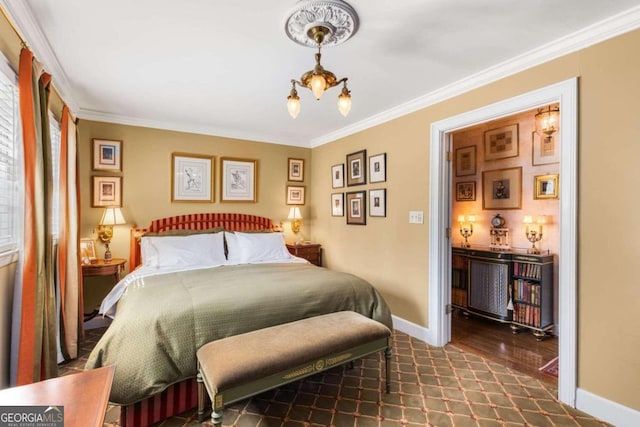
(320, 23)
(547, 121)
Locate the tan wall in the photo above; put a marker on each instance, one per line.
(146, 182)
(393, 254)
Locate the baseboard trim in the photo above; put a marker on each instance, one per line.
(412, 329)
(594, 405)
(606, 410)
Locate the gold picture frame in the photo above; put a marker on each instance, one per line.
(107, 155)
(295, 194)
(501, 143)
(466, 191)
(546, 186)
(466, 161)
(106, 191)
(545, 150)
(502, 189)
(296, 170)
(192, 178)
(87, 250)
(238, 180)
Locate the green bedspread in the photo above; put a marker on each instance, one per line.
(162, 321)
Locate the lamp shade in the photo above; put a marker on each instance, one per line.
(294, 213)
(112, 216)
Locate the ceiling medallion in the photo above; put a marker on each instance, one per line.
(338, 17)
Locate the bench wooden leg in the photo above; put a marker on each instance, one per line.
(201, 397)
(216, 417)
(387, 359)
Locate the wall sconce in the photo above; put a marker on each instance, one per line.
(466, 232)
(547, 121)
(296, 219)
(534, 231)
(110, 217)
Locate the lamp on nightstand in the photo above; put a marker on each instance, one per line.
(296, 219)
(110, 217)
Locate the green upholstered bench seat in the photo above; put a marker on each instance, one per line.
(241, 366)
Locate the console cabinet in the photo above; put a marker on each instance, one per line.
(506, 286)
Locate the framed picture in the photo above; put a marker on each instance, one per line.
(192, 178)
(378, 168)
(107, 191)
(337, 176)
(357, 168)
(357, 208)
(296, 169)
(238, 180)
(378, 202)
(465, 191)
(466, 161)
(337, 204)
(295, 195)
(502, 188)
(501, 143)
(107, 155)
(545, 149)
(546, 186)
(87, 250)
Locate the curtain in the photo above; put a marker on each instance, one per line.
(69, 283)
(36, 334)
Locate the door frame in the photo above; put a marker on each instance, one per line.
(566, 94)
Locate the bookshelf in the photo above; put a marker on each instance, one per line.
(532, 287)
(459, 278)
(506, 286)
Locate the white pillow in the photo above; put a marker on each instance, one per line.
(198, 249)
(244, 248)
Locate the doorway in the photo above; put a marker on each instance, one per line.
(565, 94)
(494, 178)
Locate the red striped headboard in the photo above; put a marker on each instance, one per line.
(202, 221)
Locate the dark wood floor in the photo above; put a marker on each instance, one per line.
(495, 341)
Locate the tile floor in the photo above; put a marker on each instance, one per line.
(431, 386)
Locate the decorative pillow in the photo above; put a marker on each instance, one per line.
(244, 248)
(199, 249)
(183, 232)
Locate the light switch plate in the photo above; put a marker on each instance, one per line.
(416, 217)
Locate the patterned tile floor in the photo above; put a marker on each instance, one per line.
(431, 386)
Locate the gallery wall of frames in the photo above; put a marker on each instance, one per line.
(358, 189)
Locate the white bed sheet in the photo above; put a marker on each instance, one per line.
(108, 305)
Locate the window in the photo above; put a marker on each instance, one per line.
(10, 161)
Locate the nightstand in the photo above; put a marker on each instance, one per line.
(312, 252)
(101, 268)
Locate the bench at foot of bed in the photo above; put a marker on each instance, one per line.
(241, 366)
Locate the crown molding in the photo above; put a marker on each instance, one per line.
(99, 116)
(22, 16)
(611, 27)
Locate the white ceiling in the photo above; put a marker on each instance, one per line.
(224, 67)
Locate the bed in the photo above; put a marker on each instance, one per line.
(164, 313)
